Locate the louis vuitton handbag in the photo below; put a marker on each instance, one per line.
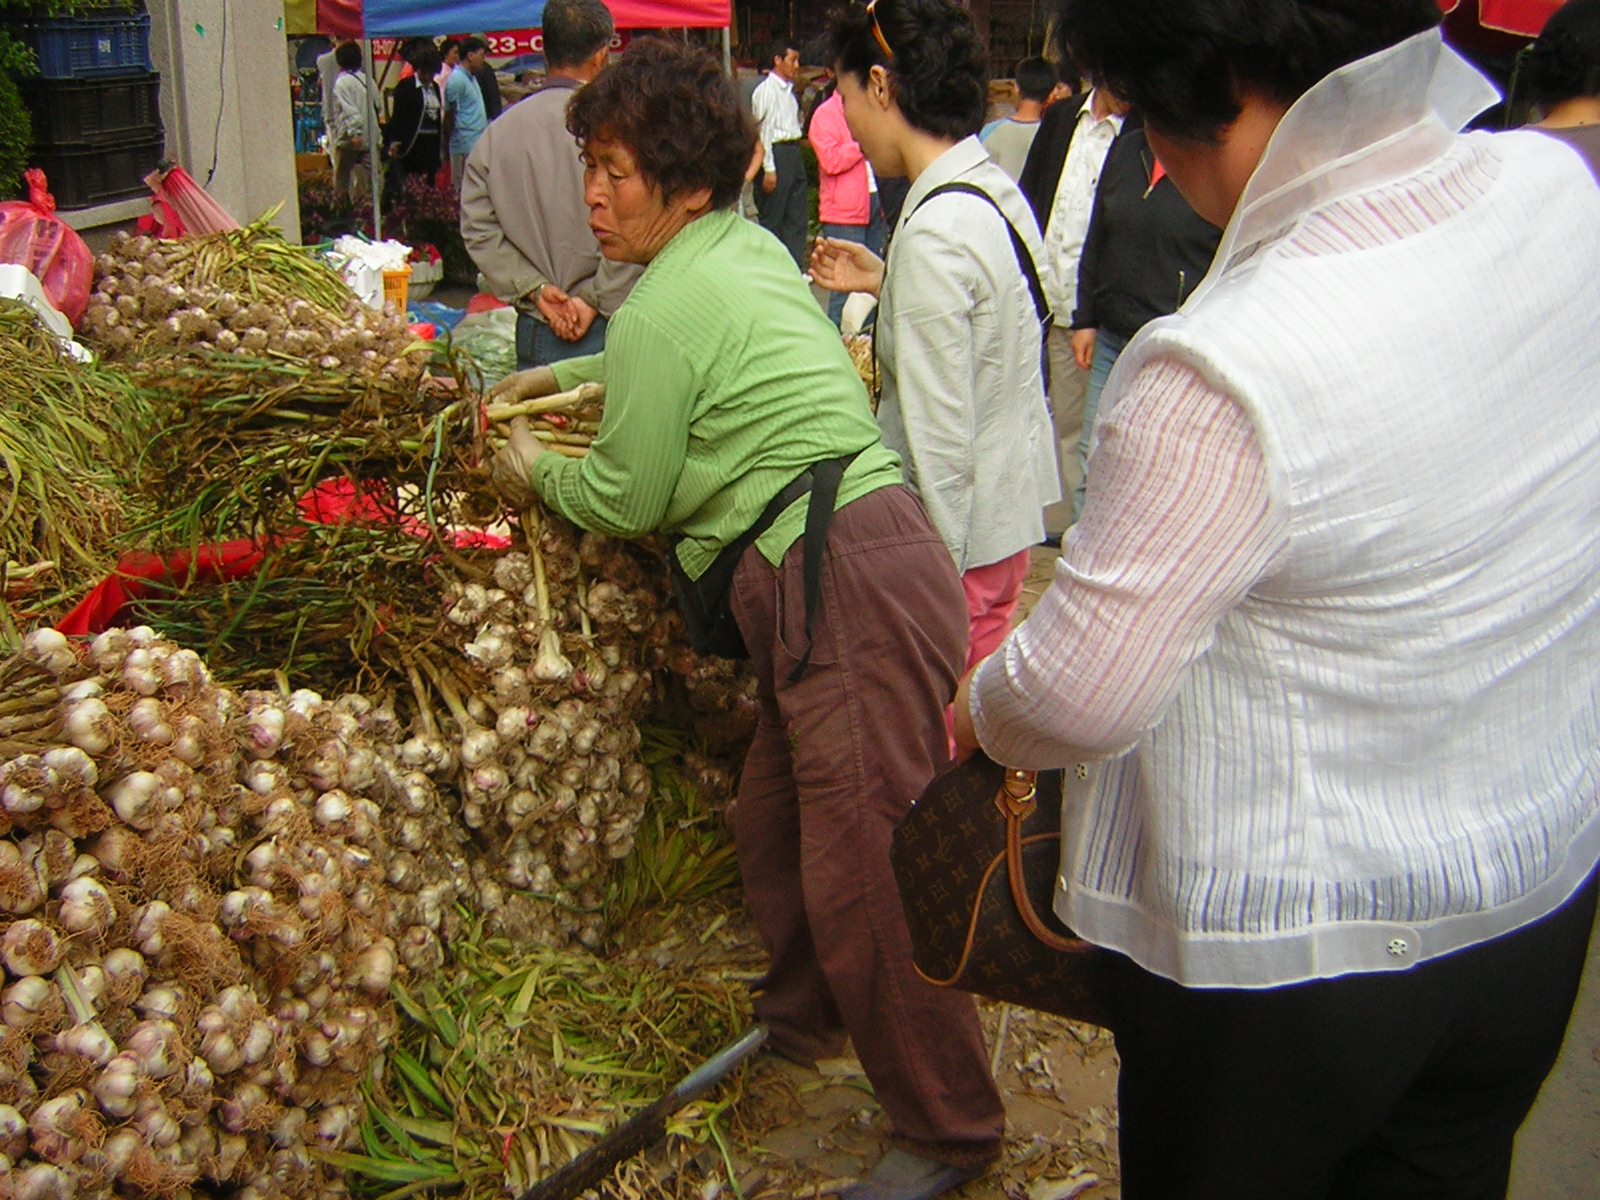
(976, 862)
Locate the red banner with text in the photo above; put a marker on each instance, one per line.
(506, 44)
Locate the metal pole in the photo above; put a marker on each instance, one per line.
(373, 157)
(727, 50)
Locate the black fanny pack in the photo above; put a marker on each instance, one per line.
(706, 601)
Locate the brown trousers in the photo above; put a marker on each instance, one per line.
(351, 168)
(838, 759)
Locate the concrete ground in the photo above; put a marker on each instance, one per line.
(1558, 1150)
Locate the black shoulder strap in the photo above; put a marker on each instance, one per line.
(1024, 258)
(826, 476)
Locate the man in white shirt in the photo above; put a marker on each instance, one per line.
(351, 124)
(327, 73)
(1059, 180)
(781, 195)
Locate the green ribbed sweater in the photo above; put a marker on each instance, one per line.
(724, 381)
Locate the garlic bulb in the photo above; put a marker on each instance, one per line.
(22, 887)
(148, 720)
(264, 726)
(88, 725)
(149, 926)
(138, 799)
(552, 666)
(56, 1129)
(13, 1132)
(125, 973)
(72, 766)
(86, 907)
(25, 783)
(31, 947)
(43, 1181)
(141, 671)
(48, 650)
(88, 1041)
(156, 1045)
(374, 968)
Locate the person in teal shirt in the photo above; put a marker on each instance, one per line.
(463, 103)
(725, 383)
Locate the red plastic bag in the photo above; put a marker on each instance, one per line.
(32, 236)
(163, 220)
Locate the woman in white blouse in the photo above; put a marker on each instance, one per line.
(1331, 614)
(959, 328)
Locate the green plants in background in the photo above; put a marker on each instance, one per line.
(427, 215)
(433, 215)
(16, 134)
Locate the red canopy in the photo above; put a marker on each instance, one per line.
(346, 18)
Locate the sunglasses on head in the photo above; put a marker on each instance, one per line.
(877, 30)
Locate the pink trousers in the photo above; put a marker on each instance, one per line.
(992, 595)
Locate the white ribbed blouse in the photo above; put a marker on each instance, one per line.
(1338, 578)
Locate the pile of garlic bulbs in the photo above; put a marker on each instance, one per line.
(199, 922)
(543, 737)
(155, 296)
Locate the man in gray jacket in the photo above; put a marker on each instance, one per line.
(523, 216)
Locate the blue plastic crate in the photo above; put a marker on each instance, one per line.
(80, 47)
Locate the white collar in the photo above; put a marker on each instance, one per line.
(1371, 121)
(966, 155)
(1086, 113)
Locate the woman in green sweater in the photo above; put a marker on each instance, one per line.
(731, 402)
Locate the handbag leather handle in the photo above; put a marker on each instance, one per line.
(1016, 801)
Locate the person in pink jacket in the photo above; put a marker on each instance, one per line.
(844, 190)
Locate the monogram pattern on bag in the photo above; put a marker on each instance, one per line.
(939, 874)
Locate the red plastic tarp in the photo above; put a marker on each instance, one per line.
(331, 503)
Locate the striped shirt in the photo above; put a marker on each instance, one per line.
(724, 382)
(1332, 600)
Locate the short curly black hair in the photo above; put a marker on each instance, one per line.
(1565, 62)
(1184, 63)
(678, 113)
(936, 63)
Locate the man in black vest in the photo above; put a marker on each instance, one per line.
(1059, 180)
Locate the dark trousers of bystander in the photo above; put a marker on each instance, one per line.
(538, 345)
(848, 233)
(1364, 1087)
(837, 760)
(786, 210)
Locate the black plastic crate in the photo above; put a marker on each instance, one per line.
(83, 176)
(72, 113)
(79, 47)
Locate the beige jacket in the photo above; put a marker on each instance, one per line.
(522, 212)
